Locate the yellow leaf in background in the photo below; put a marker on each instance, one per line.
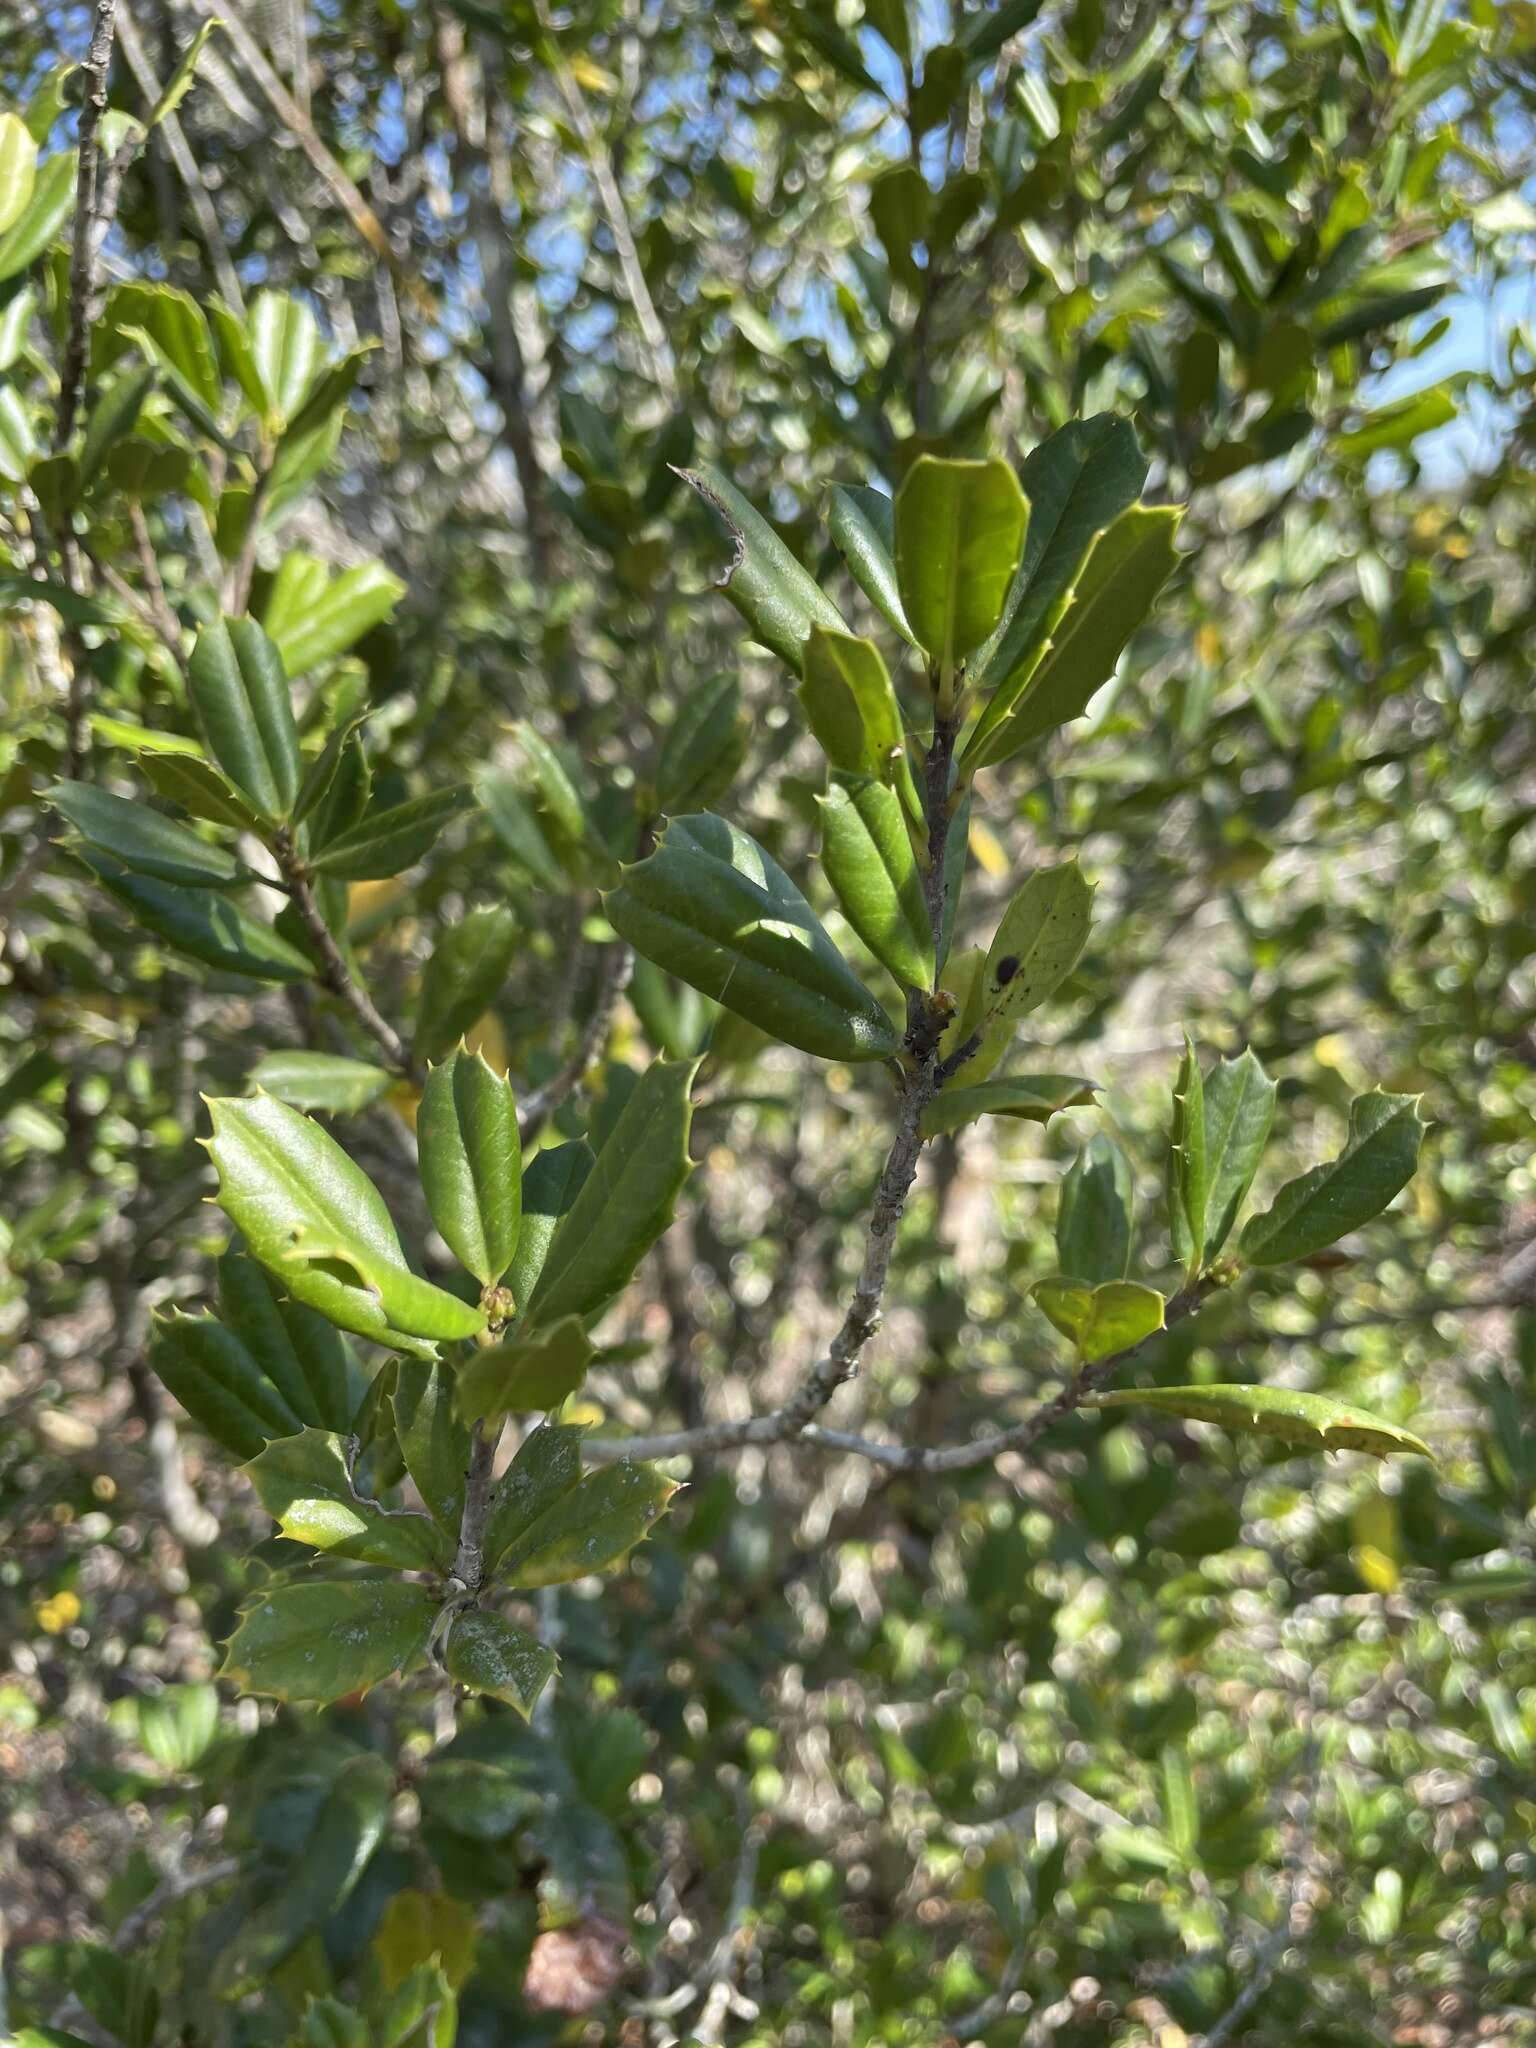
(405, 1099)
(583, 1413)
(1376, 1571)
(592, 78)
(367, 899)
(1208, 645)
(417, 1927)
(987, 847)
(57, 1614)
(489, 1039)
(1377, 1529)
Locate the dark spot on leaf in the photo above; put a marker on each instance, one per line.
(1007, 968)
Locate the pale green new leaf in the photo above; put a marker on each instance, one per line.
(959, 531)
(1311, 1421)
(304, 1484)
(1101, 1321)
(850, 705)
(313, 618)
(45, 212)
(326, 1081)
(1239, 1109)
(18, 169)
(317, 1222)
(863, 525)
(1030, 1098)
(1094, 1217)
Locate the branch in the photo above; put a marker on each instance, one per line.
(541, 1103)
(91, 222)
(795, 1418)
(334, 972)
(657, 348)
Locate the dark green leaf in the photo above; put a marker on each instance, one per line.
(144, 840)
(551, 1184)
(546, 1468)
(433, 1441)
(487, 1654)
(204, 923)
(471, 1163)
(703, 747)
(850, 705)
(318, 1640)
(626, 1201)
(869, 860)
(1239, 1109)
(863, 524)
(1316, 1210)
(594, 1525)
(776, 597)
(464, 976)
(198, 788)
(386, 843)
(300, 1353)
(522, 1374)
(214, 1377)
(713, 908)
(1093, 1221)
(240, 694)
(1187, 1174)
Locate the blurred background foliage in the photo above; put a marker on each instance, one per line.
(1157, 1737)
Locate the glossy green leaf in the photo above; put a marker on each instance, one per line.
(1187, 1167)
(319, 780)
(1239, 1109)
(625, 1202)
(471, 1163)
(713, 908)
(959, 529)
(1038, 943)
(304, 1484)
(469, 965)
(319, 1640)
(313, 619)
(778, 599)
(1309, 1420)
(287, 351)
(388, 842)
(204, 924)
(1316, 1210)
(433, 1441)
(15, 323)
(1126, 568)
(215, 1378)
(862, 522)
(551, 1184)
(198, 788)
(18, 441)
(145, 840)
(546, 1468)
(327, 1081)
(18, 169)
(240, 693)
(521, 1374)
(486, 1654)
(1093, 1218)
(702, 748)
(1032, 1098)
(317, 1222)
(1078, 481)
(298, 1351)
(170, 328)
(1101, 1321)
(47, 209)
(867, 853)
(593, 1526)
(112, 418)
(850, 705)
